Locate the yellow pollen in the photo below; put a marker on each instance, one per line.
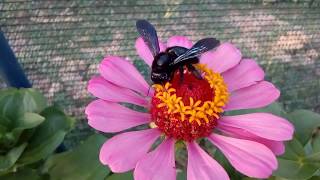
(195, 111)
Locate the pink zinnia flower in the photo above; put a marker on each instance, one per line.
(188, 111)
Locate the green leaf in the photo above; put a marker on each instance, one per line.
(81, 163)
(315, 157)
(5, 122)
(3, 130)
(8, 160)
(294, 150)
(248, 178)
(182, 175)
(28, 121)
(47, 136)
(223, 161)
(294, 164)
(316, 144)
(305, 123)
(33, 100)
(35, 153)
(10, 103)
(296, 170)
(25, 174)
(274, 108)
(122, 176)
(8, 140)
(15, 102)
(314, 178)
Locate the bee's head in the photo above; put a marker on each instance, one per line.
(161, 69)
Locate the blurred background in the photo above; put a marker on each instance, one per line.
(60, 43)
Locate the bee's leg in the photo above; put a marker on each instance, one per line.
(194, 71)
(181, 74)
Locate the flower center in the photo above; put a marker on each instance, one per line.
(188, 109)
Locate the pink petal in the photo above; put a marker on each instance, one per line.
(124, 74)
(159, 164)
(250, 158)
(277, 147)
(255, 96)
(144, 51)
(223, 58)
(112, 117)
(247, 73)
(264, 125)
(179, 41)
(105, 90)
(202, 166)
(122, 152)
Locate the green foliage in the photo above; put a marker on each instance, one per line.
(29, 131)
(81, 163)
(295, 164)
(306, 122)
(302, 157)
(25, 174)
(48, 136)
(9, 159)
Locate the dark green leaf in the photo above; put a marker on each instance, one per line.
(248, 178)
(296, 170)
(8, 160)
(9, 140)
(48, 136)
(10, 104)
(55, 120)
(294, 164)
(40, 151)
(5, 122)
(315, 157)
(82, 163)
(294, 150)
(315, 178)
(27, 121)
(182, 175)
(25, 174)
(305, 123)
(122, 176)
(316, 144)
(3, 130)
(222, 160)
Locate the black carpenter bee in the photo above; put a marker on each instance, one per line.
(166, 63)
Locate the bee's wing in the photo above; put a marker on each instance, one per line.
(149, 35)
(197, 49)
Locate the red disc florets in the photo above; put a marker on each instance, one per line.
(187, 121)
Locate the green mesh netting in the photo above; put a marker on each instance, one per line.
(60, 43)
